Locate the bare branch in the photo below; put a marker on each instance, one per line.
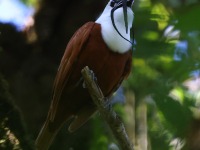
(108, 114)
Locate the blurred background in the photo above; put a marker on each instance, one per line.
(159, 103)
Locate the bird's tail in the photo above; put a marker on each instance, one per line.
(45, 137)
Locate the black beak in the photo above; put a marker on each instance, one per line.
(124, 5)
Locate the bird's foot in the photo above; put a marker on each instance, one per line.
(107, 104)
(93, 78)
(93, 75)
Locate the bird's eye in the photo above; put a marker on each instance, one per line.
(113, 2)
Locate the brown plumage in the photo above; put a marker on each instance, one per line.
(70, 99)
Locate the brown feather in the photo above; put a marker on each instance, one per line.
(70, 99)
(71, 53)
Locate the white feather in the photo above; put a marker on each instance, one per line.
(113, 40)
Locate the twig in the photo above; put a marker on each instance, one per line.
(108, 115)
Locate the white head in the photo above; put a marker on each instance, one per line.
(116, 22)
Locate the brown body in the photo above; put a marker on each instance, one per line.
(70, 99)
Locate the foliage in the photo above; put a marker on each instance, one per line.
(166, 71)
(162, 67)
(12, 130)
(30, 2)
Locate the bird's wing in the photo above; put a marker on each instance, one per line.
(87, 111)
(125, 74)
(69, 58)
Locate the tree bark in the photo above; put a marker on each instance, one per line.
(107, 113)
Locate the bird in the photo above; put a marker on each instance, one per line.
(105, 46)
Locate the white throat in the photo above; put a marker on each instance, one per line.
(113, 40)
